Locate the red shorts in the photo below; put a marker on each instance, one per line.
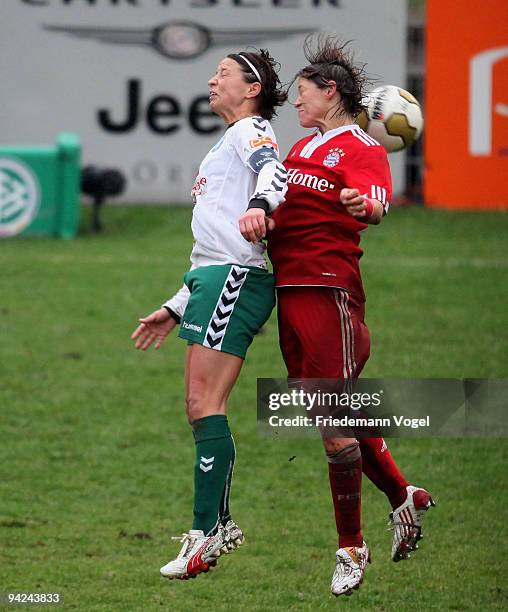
(322, 332)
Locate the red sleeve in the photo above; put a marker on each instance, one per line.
(368, 171)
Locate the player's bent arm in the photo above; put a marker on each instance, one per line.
(378, 212)
(363, 208)
(252, 223)
(259, 152)
(271, 186)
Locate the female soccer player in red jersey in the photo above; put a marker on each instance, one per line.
(338, 183)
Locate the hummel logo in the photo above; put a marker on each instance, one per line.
(193, 326)
(206, 464)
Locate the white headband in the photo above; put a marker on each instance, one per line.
(251, 67)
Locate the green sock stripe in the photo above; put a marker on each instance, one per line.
(213, 530)
(225, 512)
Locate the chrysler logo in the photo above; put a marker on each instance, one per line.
(178, 40)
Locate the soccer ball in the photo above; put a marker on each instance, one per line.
(394, 117)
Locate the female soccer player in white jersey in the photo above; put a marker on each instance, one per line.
(338, 182)
(228, 294)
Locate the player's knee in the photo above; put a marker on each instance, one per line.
(193, 407)
(342, 450)
(199, 405)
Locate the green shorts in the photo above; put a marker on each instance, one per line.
(227, 307)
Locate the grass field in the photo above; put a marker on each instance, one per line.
(96, 456)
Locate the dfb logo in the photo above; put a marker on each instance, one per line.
(19, 196)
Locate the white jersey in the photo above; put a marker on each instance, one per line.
(244, 165)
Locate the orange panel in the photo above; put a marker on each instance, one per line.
(466, 104)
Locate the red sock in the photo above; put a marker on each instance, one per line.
(379, 467)
(345, 472)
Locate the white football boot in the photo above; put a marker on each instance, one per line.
(406, 522)
(349, 569)
(198, 553)
(232, 537)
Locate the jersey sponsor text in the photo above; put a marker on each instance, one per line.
(308, 180)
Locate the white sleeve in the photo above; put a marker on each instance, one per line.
(271, 185)
(178, 303)
(255, 143)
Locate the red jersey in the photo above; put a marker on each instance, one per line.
(316, 241)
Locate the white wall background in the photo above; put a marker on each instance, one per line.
(52, 81)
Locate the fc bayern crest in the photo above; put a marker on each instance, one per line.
(333, 158)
